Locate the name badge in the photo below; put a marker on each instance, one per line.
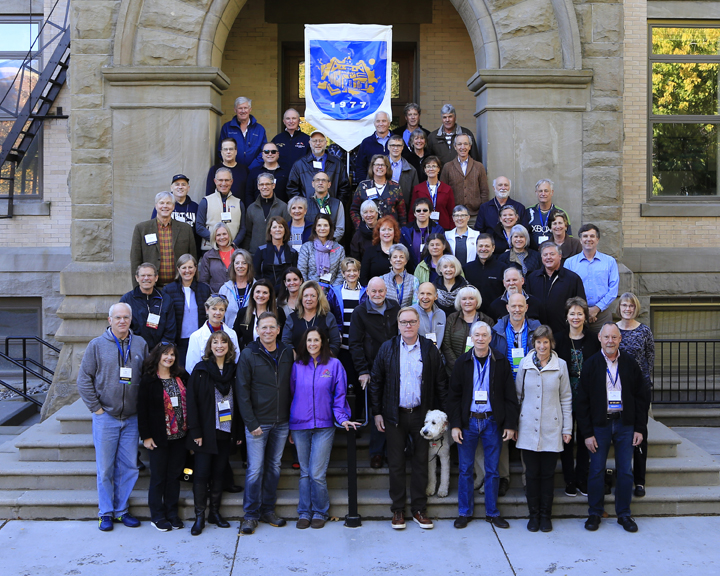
(422, 247)
(371, 193)
(125, 373)
(431, 336)
(317, 165)
(326, 277)
(224, 414)
(324, 210)
(468, 343)
(226, 217)
(517, 355)
(542, 239)
(435, 215)
(614, 399)
(153, 320)
(296, 247)
(174, 401)
(150, 239)
(481, 397)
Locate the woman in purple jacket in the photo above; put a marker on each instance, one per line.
(317, 386)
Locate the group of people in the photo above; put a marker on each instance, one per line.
(485, 309)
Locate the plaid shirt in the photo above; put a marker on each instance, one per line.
(167, 256)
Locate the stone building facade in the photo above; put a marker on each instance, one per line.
(553, 88)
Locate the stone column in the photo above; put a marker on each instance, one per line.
(530, 123)
(149, 123)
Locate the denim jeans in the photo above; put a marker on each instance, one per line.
(485, 431)
(313, 448)
(263, 473)
(116, 448)
(620, 436)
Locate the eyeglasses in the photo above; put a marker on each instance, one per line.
(407, 322)
(320, 180)
(270, 151)
(394, 145)
(421, 210)
(378, 165)
(460, 215)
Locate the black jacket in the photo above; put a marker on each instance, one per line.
(361, 241)
(563, 346)
(155, 303)
(554, 293)
(151, 409)
(532, 260)
(503, 398)
(262, 387)
(488, 215)
(175, 291)
(374, 263)
(263, 263)
(201, 410)
(498, 308)
(385, 380)
(368, 331)
(302, 172)
(592, 395)
(488, 278)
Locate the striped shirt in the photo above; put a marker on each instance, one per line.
(350, 301)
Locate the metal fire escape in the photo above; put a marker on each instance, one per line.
(28, 114)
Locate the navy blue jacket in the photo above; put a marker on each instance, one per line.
(144, 304)
(406, 238)
(292, 148)
(249, 148)
(368, 148)
(489, 214)
(175, 291)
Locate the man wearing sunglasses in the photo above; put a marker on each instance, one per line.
(270, 165)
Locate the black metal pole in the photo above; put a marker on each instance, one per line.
(352, 520)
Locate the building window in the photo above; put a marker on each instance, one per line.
(17, 39)
(685, 114)
(20, 317)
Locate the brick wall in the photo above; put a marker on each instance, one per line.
(251, 61)
(446, 63)
(646, 232)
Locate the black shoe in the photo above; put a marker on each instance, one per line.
(533, 524)
(272, 519)
(639, 491)
(545, 524)
(628, 523)
(234, 489)
(503, 487)
(248, 526)
(462, 521)
(162, 525)
(219, 521)
(582, 489)
(197, 528)
(497, 521)
(592, 523)
(176, 523)
(376, 461)
(141, 466)
(570, 489)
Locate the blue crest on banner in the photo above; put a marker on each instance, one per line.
(348, 79)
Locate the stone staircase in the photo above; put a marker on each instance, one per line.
(49, 473)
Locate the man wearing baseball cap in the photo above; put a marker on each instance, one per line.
(300, 181)
(185, 209)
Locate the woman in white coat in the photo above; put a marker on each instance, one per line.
(543, 389)
(461, 217)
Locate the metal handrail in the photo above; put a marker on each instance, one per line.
(22, 363)
(353, 519)
(25, 339)
(686, 372)
(21, 393)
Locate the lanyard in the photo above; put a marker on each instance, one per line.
(212, 329)
(507, 239)
(277, 362)
(126, 356)
(613, 383)
(324, 203)
(481, 369)
(544, 223)
(511, 331)
(236, 291)
(433, 197)
(401, 293)
(161, 301)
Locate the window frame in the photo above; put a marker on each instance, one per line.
(653, 119)
(19, 194)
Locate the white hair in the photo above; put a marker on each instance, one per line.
(164, 194)
(242, 100)
(480, 324)
(110, 312)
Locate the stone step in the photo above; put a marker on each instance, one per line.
(687, 416)
(372, 504)
(47, 441)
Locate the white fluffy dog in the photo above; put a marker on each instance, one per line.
(436, 432)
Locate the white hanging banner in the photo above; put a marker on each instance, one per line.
(347, 79)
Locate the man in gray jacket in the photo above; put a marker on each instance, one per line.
(258, 213)
(262, 388)
(108, 382)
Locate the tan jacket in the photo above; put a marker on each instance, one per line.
(470, 189)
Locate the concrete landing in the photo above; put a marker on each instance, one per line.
(683, 546)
